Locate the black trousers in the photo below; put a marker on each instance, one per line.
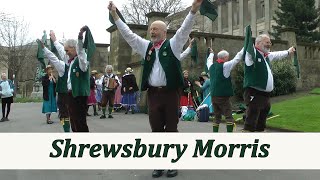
(258, 107)
(62, 105)
(77, 107)
(6, 102)
(163, 109)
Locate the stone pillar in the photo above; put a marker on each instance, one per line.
(155, 16)
(219, 18)
(253, 18)
(290, 35)
(230, 18)
(243, 14)
(267, 15)
(317, 3)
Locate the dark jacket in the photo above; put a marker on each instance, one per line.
(92, 83)
(129, 80)
(45, 84)
(186, 88)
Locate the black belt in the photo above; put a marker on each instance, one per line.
(261, 93)
(158, 88)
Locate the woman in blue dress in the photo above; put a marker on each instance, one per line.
(205, 87)
(49, 94)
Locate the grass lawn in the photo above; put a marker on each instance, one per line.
(315, 91)
(301, 114)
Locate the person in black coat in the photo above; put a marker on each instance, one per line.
(128, 89)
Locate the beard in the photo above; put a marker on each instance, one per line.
(265, 49)
(155, 39)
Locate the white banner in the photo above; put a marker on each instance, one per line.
(159, 151)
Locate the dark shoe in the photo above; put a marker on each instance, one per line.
(110, 116)
(2, 120)
(102, 116)
(132, 112)
(88, 114)
(172, 173)
(6, 119)
(126, 112)
(95, 114)
(49, 122)
(157, 173)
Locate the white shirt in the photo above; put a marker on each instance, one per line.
(60, 65)
(185, 53)
(157, 76)
(227, 66)
(273, 56)
(6, 90)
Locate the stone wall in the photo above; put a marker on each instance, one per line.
(121, 54)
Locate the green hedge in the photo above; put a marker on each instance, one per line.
(284, 77)
(27, 100)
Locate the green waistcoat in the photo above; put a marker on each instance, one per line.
(80, 81)
(220, 86)
(256, 75)
(62, 81)
(170, 64)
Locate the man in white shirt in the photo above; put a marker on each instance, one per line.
(162, 74)
(258, 83)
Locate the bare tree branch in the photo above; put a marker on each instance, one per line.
(14, 45)
(134, 11)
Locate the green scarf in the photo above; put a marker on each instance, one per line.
(208, 9)
(89, 44)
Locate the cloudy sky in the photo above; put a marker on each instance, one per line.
(64, 16)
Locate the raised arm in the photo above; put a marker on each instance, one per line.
(59, 65)
(210, 58)
(137, 43)
(229, 65)
(82, 56)
(60, 48)
(180, 38)
(278, 55)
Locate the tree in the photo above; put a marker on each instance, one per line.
(134, 11)
(301, 15)
(15, 47)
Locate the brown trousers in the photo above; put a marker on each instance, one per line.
(77, 107)
(222, 106)
(163, 109)
(107, 98)
(258, 107)
(62, 105)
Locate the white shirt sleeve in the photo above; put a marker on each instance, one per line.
(137, 43)
(248, 59)
(277, 55)
(181, 37)
(62, 53)
(82, 56)
(229, 65)
(59, 65)
(185, 53)
(210, 60)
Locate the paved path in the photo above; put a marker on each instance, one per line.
(27, 118)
